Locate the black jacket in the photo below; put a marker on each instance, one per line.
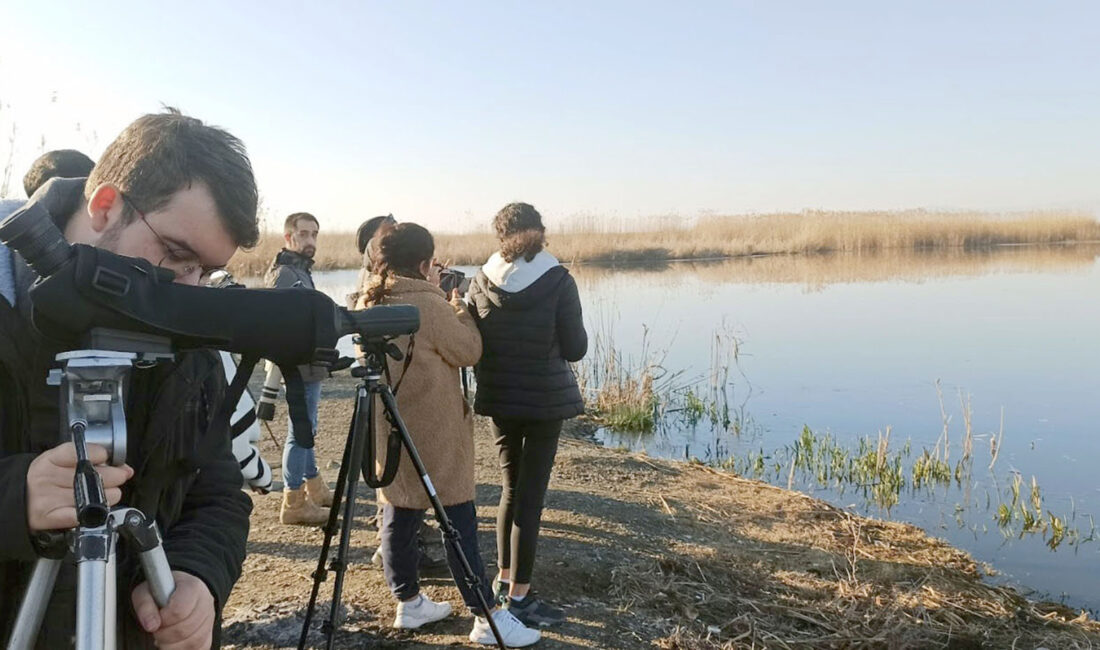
(528, 339)
(291, 270)
(185, 476)
(288, 270)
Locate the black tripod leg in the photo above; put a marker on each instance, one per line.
(473, 581)
(362, 429)
(346, 467)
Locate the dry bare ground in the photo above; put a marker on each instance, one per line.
(650, 553)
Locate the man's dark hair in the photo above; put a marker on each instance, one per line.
(292, 220)
(162, 153)
(60, 163)
(367, 230)
(520, 231)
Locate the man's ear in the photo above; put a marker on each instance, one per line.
(104, 207)
(286, 238)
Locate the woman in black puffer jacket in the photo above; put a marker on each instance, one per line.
(529, 313)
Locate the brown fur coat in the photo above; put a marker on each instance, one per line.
(430, 397)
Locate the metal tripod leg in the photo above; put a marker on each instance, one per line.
(340, 564)
(332, 526)
(92, 552)
(110, 596)
(33, 607)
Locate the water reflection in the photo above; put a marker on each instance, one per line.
(815, 272)
(848, 345)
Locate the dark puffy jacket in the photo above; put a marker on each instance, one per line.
(528, 339)
(185, 476)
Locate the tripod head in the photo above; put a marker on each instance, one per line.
(375, 351)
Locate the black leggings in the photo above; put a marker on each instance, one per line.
(527, 449)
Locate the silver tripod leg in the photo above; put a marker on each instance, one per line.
(111, 597)
(33, 608)
(93, 549)
(142, 533)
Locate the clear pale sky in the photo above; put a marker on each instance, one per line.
(443, 112)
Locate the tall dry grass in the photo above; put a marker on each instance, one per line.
(594, 240)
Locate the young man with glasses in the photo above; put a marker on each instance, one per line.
(192, 189)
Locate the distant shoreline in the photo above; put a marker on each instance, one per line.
(719, 238)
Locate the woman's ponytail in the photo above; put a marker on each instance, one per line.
(400, 252)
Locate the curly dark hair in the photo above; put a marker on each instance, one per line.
(400, 252)
(520, 231)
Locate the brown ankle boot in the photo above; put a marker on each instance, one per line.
(299, 510)
(318, 492)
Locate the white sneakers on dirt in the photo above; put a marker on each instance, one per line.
(512, 632)
(421, 611)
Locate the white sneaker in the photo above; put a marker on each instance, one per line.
(512, 632)
(421, 611)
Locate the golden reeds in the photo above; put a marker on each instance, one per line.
(610, 241)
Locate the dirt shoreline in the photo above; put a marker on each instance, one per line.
(644, 552)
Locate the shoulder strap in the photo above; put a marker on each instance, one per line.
(404, 366)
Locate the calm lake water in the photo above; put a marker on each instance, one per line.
(851, 345)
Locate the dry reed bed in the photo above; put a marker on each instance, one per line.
(794, 572)
(594, 240)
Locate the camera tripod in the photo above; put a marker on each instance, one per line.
(361, 437)
(92, 386)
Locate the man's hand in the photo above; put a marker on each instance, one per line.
(50, 501)
(187, 623)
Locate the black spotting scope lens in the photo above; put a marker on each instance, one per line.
(32, 233)
(380, 322)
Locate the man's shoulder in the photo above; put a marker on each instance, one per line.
(7, 206)
(7, 271)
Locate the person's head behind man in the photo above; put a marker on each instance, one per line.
(370, 228)
(60, 163)
(173, 191)
(300, 233)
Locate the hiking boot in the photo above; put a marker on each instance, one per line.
(318, 491)
(512, 632)
(420, 611)
(532, 611)
(299, 510)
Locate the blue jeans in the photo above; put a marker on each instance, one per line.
(300, 463)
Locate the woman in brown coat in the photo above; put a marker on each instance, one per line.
(440, 423)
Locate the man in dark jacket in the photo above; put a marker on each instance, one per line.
(192, 189)
(306, 496)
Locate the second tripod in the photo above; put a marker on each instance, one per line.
(361, 438)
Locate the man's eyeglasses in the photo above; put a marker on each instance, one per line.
(180, 260)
